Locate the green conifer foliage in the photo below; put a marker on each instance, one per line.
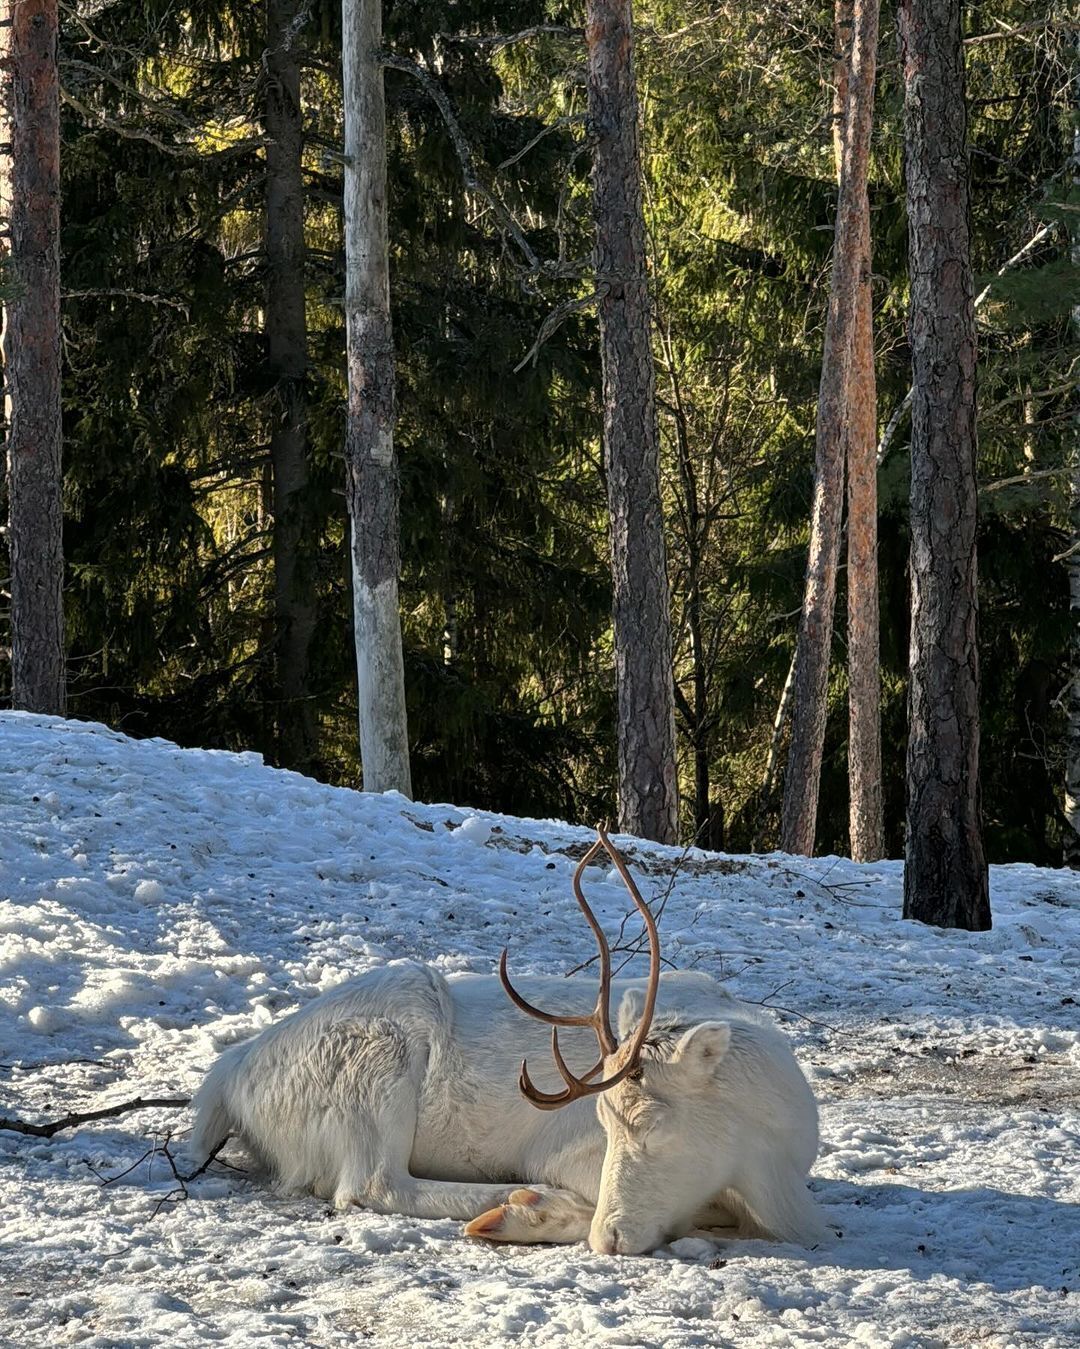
(506, 601)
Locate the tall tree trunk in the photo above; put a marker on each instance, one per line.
(945, 877)
(1071, 840)
(865, 804)
(371, 466)
(648, 786)
(802, 779)
(32, 360)
(865, 810)
(286, 351)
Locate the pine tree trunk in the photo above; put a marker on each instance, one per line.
(32, 361)
(865, 809)
(371, 466)
(648, 787)
(945, 877)
(286, 351)
(802, 780)
(1071, 840)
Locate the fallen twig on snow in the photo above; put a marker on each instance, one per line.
(70, 1121)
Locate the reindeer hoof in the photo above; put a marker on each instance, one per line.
(488, 1224)
(504, 1223)
(535, 1215)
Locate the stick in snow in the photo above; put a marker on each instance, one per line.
(84, 1117)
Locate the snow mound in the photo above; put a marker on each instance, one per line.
(158, 904)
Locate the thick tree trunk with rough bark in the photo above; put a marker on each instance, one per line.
(865, 809)
(371, 466)
(648, 787)
(1071, 841)
(286, 352)
(802, 779)
(945, 876)
(32, 360)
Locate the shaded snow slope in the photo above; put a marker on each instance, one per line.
(157, 904)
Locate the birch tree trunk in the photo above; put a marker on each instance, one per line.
(945, 876)
(286, 352)
(648, 787)
(32, 360)
(802, 780)
(865, 819)
(371, 466)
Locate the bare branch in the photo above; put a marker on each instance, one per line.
(76, 1118)
(555, 320)
(893, 424)
(1019, 479)
(496, 41)
(1019, 256)
(1005, 30)
(575, 119)
(464, 152)
(111, 293)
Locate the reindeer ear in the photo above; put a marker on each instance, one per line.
(703, 1046)
(630, 1010)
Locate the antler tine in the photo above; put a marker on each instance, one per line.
(585, 1019)
(654, 947)
(567, 1076)
(576, 1087)
(541, 1099)
(602, 1011)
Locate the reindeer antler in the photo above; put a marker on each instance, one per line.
(600, 1017)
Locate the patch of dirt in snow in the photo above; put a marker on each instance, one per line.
(964, 1076)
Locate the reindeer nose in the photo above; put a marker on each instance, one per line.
(609, 1241)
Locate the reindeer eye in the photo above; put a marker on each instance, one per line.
(635, 1074)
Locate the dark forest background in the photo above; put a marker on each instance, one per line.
(170, 405)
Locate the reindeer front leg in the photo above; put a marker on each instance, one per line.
(529, 1216)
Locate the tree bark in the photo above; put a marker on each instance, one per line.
(371, 466)
(286, 352)
(865, 809)
(32, 361)
(1071, 840)
(802, 780)
(945, 876)
(648, 786)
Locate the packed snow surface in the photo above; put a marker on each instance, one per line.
(158, 904)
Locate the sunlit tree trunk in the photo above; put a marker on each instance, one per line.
(866, 823)
(802, 780)
(945, 876)
(371, 465)
(648, 788)
(32, 359)
(286, 353)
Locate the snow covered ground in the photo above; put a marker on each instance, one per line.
(158, 904)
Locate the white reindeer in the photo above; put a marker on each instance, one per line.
(396, 1091)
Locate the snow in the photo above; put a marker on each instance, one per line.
(157, 904)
